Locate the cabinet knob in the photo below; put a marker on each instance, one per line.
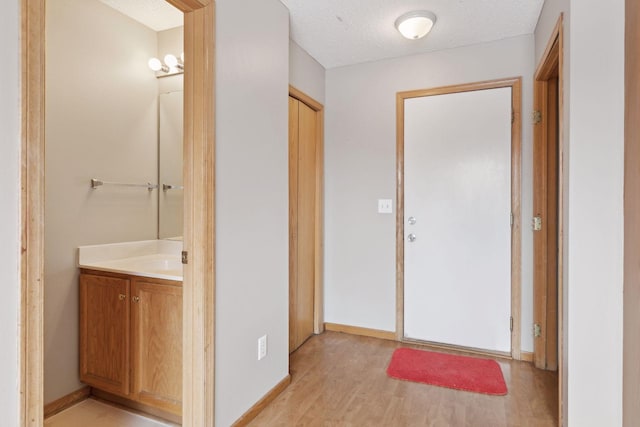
(122, 297)
(135, 299)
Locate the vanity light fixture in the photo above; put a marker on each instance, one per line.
(415, 25)
(156, 65)
(172, 65)
(173, 62)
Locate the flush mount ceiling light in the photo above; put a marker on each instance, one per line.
(415, 25)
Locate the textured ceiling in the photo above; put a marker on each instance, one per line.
(344, 32)
(155, 14)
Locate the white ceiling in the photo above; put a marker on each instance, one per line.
(344, 32)
(155, 14)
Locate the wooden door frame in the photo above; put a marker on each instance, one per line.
(545, 296)
(516, 160)
(631, 353)
(318, 287)
(198, 167)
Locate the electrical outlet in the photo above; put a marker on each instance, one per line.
(385, 206)
(262, 347)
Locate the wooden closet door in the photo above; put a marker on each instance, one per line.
(293, 219)
(302, 206)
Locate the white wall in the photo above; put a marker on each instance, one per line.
(251, 202)
(546, 23)
(9, 211)
(101, 123)
(305, 73)
(595, 228)
(360, 144)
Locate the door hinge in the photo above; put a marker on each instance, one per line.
(185, 257)
(537, 117)
(511, 323)
(537, 330)
(513, 117)
(511, 219)
(536, 223)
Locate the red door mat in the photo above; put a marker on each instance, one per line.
(448, 370)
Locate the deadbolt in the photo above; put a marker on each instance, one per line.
(411, 237)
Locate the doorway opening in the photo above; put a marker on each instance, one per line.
(548, 209)
(198, 230)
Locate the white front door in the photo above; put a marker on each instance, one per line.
(457, 187)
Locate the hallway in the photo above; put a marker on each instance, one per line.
(340, 380)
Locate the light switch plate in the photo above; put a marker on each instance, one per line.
(385, 206)
(262, 347)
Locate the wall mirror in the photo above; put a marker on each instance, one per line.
(170, 192)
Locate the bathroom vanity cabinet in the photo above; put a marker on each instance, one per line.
(131, 338)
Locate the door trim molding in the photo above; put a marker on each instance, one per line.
(544, 297)
(553, 56)
(32, 213)
(318, 284)
(516, 160)
(199, 286)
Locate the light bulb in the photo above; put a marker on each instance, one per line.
(156, 65)
(171, 60)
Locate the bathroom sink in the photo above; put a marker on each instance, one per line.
(154, 258)
(162, 264)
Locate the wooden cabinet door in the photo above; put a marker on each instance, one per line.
(104, 333)
(157, 344)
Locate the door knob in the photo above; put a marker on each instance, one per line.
(411, 237)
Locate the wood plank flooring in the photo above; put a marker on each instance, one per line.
(339, 380)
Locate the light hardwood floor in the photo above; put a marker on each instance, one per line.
(93, 413)
(340, 380)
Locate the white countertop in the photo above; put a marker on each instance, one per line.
(159, 259)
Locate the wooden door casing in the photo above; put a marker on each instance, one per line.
(547, 206)
(516, 185)
(199, 234)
